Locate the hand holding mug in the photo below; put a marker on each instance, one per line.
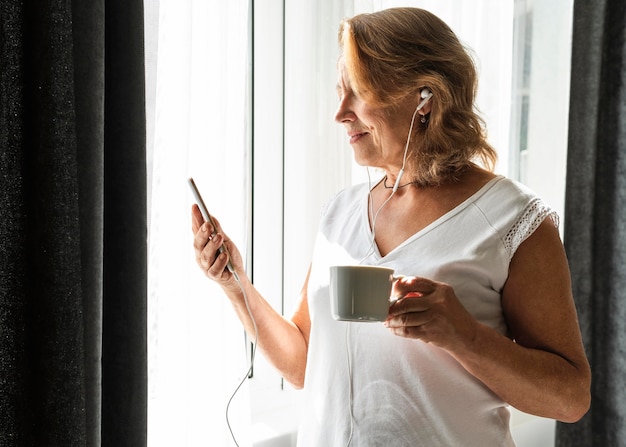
(430, 311)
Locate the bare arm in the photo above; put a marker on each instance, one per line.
(543, 369)
(282, 341)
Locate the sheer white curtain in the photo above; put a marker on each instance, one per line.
(197, 65)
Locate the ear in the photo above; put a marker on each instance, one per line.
(425, 110)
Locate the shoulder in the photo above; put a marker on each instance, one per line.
(514, 210)
(345, 198)
(501, 187)
(502, 193)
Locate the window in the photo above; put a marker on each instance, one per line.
(198, 83)
(540, 97)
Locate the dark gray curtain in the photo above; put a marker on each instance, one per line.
(595, 214)
(72, 224)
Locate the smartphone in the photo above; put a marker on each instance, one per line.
(207, 217)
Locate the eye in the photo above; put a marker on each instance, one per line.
(339, 93)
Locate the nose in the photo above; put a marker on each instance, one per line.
(344, 112)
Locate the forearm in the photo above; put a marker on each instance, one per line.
(532, 380)
(278, 338)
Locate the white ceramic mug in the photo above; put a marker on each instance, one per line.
(360, 292)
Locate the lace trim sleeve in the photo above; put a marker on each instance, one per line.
(529, 220)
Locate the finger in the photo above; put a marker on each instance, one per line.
(416, 325)
(202, 237)
(408, 304)
(208, 253)
(218, 226)
(218, 269)
(409, 319)
(416, 284)
(216, 253)
(220, 258)
(416, 332)
(196, 218)
(395, 298)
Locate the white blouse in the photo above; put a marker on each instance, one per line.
(365, 384)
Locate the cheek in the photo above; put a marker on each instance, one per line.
(376, 125)
(385, 135)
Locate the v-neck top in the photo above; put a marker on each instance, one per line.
(374, 251)
(404, 391)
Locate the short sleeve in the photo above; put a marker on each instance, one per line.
(528, 221)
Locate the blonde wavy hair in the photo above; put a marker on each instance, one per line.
(390, 56)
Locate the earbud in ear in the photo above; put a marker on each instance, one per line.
(425, 94)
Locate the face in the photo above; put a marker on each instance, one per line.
(378, 137)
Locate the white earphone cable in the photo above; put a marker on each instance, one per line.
(370, 249)
(251, 367)
(350, 397)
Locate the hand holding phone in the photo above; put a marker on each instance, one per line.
(207, 217)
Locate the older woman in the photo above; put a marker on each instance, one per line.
(485, 317)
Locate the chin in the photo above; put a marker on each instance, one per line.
(360, 159)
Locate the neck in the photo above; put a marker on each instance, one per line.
(390, 185)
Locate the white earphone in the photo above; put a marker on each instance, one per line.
(425, 94)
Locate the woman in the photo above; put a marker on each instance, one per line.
(485, 317)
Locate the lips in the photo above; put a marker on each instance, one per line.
(356, 136)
